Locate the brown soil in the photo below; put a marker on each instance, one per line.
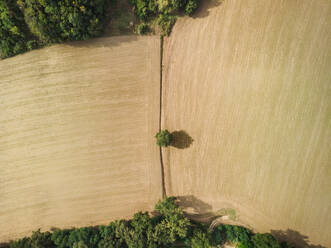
(76, 143)
(250, 82)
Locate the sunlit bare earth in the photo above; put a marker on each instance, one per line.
(76, 134)
(250, 82)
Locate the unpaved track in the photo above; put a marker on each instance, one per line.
(76, 134)
(250, 82)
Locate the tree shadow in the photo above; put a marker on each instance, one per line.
(181, 140)
(294, 238)
(205, 7)
(196, 209)
(190, 201)
(104, 42)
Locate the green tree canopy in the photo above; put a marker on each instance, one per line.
(168, 227)
(163, 138)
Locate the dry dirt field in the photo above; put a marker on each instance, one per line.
(75, 134)
(250, 82)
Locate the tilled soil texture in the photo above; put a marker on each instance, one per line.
(76, 138)
(250, 84)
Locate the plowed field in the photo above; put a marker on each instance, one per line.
(76, 143)
(250, 82)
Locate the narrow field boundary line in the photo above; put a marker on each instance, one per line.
(164, 192)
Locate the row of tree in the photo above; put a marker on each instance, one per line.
(168, 227)
(27, 24)
(15, 36)
(163, 11)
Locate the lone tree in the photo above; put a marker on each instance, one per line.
(163, 138)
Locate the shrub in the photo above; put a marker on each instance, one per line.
(88, 236)
(200, 240)
(21, 243)
(42, 240)
(163, 138)
(110, 237)
(216, 236)
(265, 240)
(145, 8)
(37, 240)
(142, 28)
(61, 238)
(138, 232)
(191, 6)
(163, 11)
(167, 206)
(236, 234)
(166, 22)
(31, 44)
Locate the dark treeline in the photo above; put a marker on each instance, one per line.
(164, 12)
(15, 36)
(28, 24)
(168, 227)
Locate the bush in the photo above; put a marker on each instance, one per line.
(61, 238)
(21, 243)
(239, 235)
(88, 236)
(200, 239)
(216, 236)
(163, 138)
(265, 240)
(142, 28)
(167, 206)
(31, 44)
(166, 22)
(37, 240)
(145, 8)
(191, 6)
(109, 236)
(163, 11)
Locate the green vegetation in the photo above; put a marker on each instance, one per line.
(164, 12)
(167, 228)
(142, 28)
(62, 20)
(15, 35)
(231, 213)
(163, 138)
(28, 24)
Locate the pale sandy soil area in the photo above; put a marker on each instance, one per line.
(76, 134)
(250, 82)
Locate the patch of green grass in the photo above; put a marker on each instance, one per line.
(230, 212)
